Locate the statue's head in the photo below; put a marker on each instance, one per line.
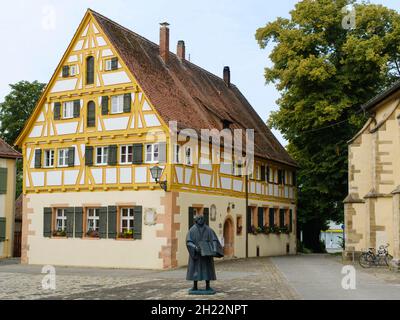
(199, 220)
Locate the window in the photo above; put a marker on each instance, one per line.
(127, 219)
(49, 158)
(101, 155)
(72, 70)
(152, 153)
(188, 156)
(68, 110)
(90, 70)
(93, 218)
(108, 65)
(61, 220)
(117, 104)
(126, 154)
(63, 157)
(177, 155)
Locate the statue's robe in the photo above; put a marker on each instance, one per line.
(201, 268)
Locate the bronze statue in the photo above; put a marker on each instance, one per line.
(203, 245)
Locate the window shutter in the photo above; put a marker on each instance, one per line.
(3, 180)
(78, 222)
(71, 157)
(283, 176)
(104, 105)
(206, 213)
(2, 229)
(127, 102)
(294, 178)
(38, 158)
(262, 173)
(65, 71)
(282, 218)
(271, 217)
(57, 110)
(112, 222)
(191, 217)
(137, 224)
(260, 216)
(162, 152)
(112, 155)
(91, 114)
(268, 178)
(114, 63)
(280, 176)
(89, 156)
(103, 223)
(249, 222)
(291, 220)
(69, 212)
(77, 108)
(47, 219)
(137, 153)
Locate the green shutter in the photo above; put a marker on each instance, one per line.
(103, 223)
(112, 155)
(3, 180)
(162, 152)
(57, 110)
(71, 157)
(104, 105)
(271, 217)
(114, 63)
(260, 216)
(248, 220)
(137, 153)
(291, 220)
(47, 219)
(89, 156)
(38, 158)
(280, 176)
(137, 224)
(112, 222)
(69, 212)
(262, 173)
(77, 108)
(191, 217)
(127, 102)
(206, 213)
(2, 229)
(91, 114)
(267, 173)
(78, 222)
(281, 218)
(65, 71)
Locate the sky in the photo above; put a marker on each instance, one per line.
(217, 33)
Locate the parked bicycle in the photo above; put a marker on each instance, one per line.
(371, 258)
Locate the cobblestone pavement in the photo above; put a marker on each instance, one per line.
(237, 279)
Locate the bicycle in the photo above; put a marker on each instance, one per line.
(381, 258)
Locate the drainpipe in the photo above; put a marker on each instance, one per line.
(247, 213)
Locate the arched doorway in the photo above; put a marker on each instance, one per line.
(228, 238)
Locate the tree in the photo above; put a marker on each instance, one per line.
(17, 107)
(325, 73)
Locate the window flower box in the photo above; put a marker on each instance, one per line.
(126, 235)
(60, 234)
(92, 234)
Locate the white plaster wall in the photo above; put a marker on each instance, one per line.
(115, 78)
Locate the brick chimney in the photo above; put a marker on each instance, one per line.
(181, 50)
(227, 76)
(164, 41)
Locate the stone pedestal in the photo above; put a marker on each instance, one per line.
(202, 292)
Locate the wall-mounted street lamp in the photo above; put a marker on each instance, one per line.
(156, 173)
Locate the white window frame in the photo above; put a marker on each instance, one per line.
(62, 155)
(61, 218)
(68, 110)
(129, 218)
(93, 214)
(73, 70)
(152, 155)
(108, 65)
(48, 157)
(103, 155)
(117, 104)
(125, 154)
(188, 156)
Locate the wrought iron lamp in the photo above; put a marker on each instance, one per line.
(156, 173)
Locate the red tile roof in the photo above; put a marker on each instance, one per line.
(6, 151)
(188, 94)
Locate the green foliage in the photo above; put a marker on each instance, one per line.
(325, 73)
(16, 109)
